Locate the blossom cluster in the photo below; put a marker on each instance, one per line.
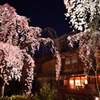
(18, 42)
(56, 54)
(82, 12)
(85, 17)
(89, 43)
(10, 65)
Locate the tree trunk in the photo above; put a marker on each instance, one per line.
(3, 88)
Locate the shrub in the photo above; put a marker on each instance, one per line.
(5, 98)
(17, 97)
(45, 93)
(36, 97)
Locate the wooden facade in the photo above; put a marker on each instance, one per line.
(72, 80)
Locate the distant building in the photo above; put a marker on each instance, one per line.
(72, 80)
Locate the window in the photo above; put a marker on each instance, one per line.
(65, 82)
(74, 59)
(71, 83)
(67, 61)
(77, 82)
(84, 80)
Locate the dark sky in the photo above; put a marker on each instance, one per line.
(42, 13)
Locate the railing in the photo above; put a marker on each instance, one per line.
(87, 89)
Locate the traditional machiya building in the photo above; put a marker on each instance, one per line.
(73, 83)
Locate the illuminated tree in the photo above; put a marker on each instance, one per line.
(18, 43)
(85, 18)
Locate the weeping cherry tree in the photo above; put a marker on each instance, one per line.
(18, 43)
(85, 19)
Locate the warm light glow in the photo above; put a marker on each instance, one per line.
(71, 82)
(99, 76)
(78, 81)
(96, 98)
(65, 82)
(84, 80)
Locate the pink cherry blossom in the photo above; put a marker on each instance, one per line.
(16, 39)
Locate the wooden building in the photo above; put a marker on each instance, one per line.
(73, 83)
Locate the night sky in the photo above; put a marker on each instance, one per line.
(42, 13)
